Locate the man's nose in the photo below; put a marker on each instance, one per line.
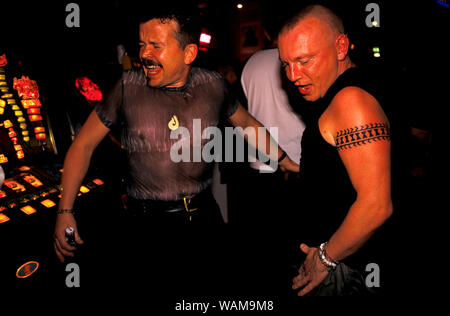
(294, 73)
(146, 52)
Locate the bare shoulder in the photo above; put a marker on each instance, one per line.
(352, 107)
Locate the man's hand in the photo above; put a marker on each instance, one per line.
(311, 273)
(62, 248)
(288, 165)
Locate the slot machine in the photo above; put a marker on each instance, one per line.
(28, 152)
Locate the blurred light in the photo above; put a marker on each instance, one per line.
(376, 55)
(374, 23)
(3, 218)
(443, 3)
(376, 49)
(41, 136)
(205, 38)
(28, 210)
(352, 47)
(48, 203)
(27, 269)
(84, 189)
(39, 129)
(240, 6)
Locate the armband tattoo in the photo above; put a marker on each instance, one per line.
(365, 134)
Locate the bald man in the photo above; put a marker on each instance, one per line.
(345, 160)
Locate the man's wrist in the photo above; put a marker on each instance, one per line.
(282, 157)
(64, 211)
(325, 259)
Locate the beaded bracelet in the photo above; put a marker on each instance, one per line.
(329, 264)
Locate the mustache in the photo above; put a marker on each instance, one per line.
(148, 62)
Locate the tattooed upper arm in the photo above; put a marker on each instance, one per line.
(362, 135)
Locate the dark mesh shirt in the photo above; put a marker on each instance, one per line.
(144, 114)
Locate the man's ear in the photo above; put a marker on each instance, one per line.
(342, 44)
(190, 53)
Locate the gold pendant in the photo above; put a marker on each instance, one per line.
(173, 124)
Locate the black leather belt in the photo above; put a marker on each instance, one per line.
(188, 204)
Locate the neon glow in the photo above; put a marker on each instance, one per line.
(27, 269)
(205, 38)
(3, 218)
(28, 209)
(48, 203)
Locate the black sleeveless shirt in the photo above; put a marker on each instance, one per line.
(326, 190)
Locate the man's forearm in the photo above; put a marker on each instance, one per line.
(362, 220)
(75, 167)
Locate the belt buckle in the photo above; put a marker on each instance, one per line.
(187, 207)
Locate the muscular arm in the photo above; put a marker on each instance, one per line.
(362, 137)
(78, 158)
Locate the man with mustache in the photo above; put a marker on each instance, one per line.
(165, 94)
(345, 164)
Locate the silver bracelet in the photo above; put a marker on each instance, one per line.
(329, 264)
(71, 211)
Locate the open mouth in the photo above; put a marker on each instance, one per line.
(305, 89)
(151, 66)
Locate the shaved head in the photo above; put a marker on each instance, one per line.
(319, 12)
(313, 50)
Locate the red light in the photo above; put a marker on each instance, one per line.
(39, 129)
(34, 111)
(34, 118)
(205, 38)
(20, 154)
(41, 136)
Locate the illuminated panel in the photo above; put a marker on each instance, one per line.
(48, 203)
(98, 181)
(7, 96)
(12, 134)
(2, 110)
(2, 103)
(23, 126)
(40, 136)
(2, 208)
(3, 218)
(34, 111)
(2, 194)
(20, 154)
(7, 124)
(35, 118)
(2, 77)
(31, 180)
(28, 210)
(24, 168)
(18, 113)
(205, 38)
(84, 189)
(39, 129)
(11, 101)
(14, 185)
(26, 139)
(2, 83)
(15, 107)
(17, 147)
(33, 103)
(21, 119)
(3, 158)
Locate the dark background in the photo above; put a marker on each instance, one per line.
(411, 74)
